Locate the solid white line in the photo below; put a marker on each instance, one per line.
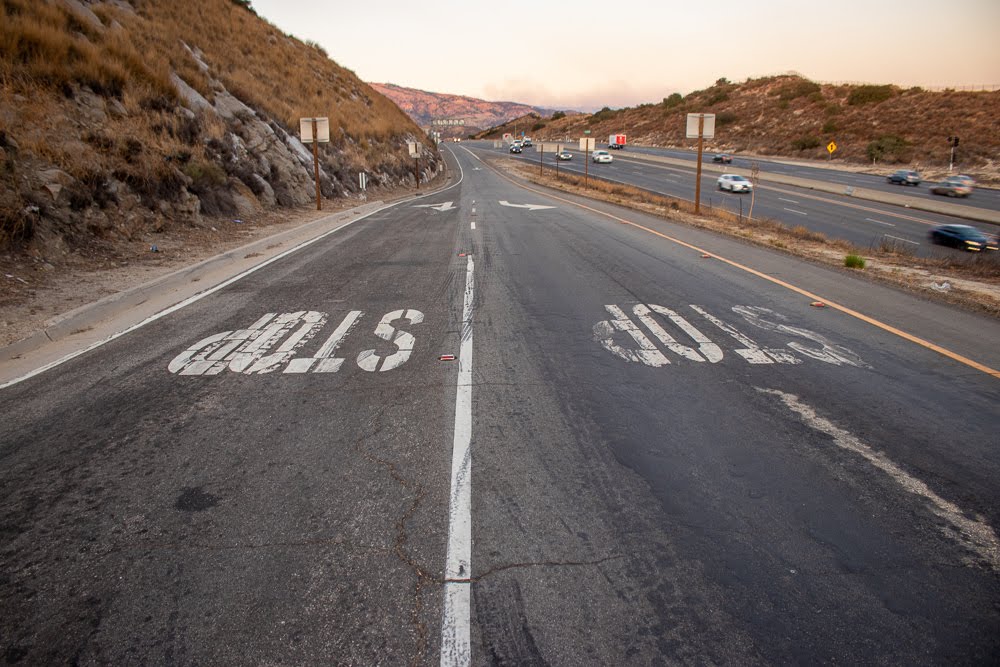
(212, 290)
(890, 236)
(792, 210)
(790, 201)
(456, 634)
(887, 224)
(473, 225)
(968, 528)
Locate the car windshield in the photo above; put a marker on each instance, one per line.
(966, 232)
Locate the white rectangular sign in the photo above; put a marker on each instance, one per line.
(322, 130)
(548, 147)
(414, 147)
(708, 130)
(587, 143)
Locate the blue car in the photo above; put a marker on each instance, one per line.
(963, 237)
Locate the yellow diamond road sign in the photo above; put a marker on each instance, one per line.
(831, 147)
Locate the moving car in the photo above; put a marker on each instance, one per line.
(616, 147)
(952, 187)
(601, 156)
(515, 147)
(964, 237)
(526, 142)
(724, 158)
(734, 183)
(904, 177)
(564, 155)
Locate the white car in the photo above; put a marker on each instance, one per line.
(601, 156)
(735, 183)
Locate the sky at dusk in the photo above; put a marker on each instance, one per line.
(588, 54)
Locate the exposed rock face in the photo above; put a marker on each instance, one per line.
(85, 162)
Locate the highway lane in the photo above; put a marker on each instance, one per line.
(864, 223)
(982, 197)
(672, 458)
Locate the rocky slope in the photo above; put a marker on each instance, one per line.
(121, 118)
(424, 107)
(794, 117)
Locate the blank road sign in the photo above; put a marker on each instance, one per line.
(322, 130)
(708, 131)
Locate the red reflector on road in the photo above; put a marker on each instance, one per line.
(706, 256)
(446, 357)
(818, 304)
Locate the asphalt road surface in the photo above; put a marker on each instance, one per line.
(988, 198)
(650, 448)
(864, 223)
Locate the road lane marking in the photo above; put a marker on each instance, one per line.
(473, 224)
(790, 201)
(530, 207)
(890, 236)
(954, 356)
(226, 283)
(443, 207)
(792, 210)
(973, 533)
(879, 222)
(456, 626)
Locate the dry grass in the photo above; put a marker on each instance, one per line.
(975, 278)
(774, 115)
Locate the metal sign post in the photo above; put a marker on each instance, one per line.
(314, 131)
(586, 145)
(830, 147)
(414, 147)
(702, 126)
(541, 155)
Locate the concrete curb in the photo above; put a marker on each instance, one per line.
(912, 203)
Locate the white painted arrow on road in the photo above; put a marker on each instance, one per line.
(447, 206)
(530, 207)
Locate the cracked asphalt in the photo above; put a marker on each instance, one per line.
(280, 507)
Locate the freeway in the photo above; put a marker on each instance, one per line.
(988, 198)
(863, 223)
(498, 425)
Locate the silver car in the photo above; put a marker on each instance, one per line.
(601, 156)
(734, 183)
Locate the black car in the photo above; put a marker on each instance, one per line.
(724, 158)
(616, 147)
(904, 177)
(964, 237)
(514, 148)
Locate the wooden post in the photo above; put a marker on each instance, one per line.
(319, 200)
(416, 169)
(697, 183)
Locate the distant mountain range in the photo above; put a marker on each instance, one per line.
(425, 107)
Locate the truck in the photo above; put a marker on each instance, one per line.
(616, 141)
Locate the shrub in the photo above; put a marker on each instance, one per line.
(800, 88)
(887, 147)
(869, 95)
(829, 127)
(720, 96)
(674, 100)
(537, 126)
(726, 118)
(559, 114)
(854, 262)
(832, 109)
(807, 142)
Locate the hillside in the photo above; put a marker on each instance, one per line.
(794, 117)
(121, 118)
(424, 107)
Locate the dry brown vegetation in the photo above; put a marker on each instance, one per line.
(974, 279)
(98, 145)
(794, 117)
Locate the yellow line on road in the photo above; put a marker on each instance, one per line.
(806, 293)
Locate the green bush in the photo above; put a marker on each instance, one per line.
(204, 175)
(854, 262)
(801, 88)
(720, 96)
(725, 118)
(888, 147)
(674, 100)
(537, 126)
(807, 142)
(829, 127)
(869, 95)
(559, 114)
